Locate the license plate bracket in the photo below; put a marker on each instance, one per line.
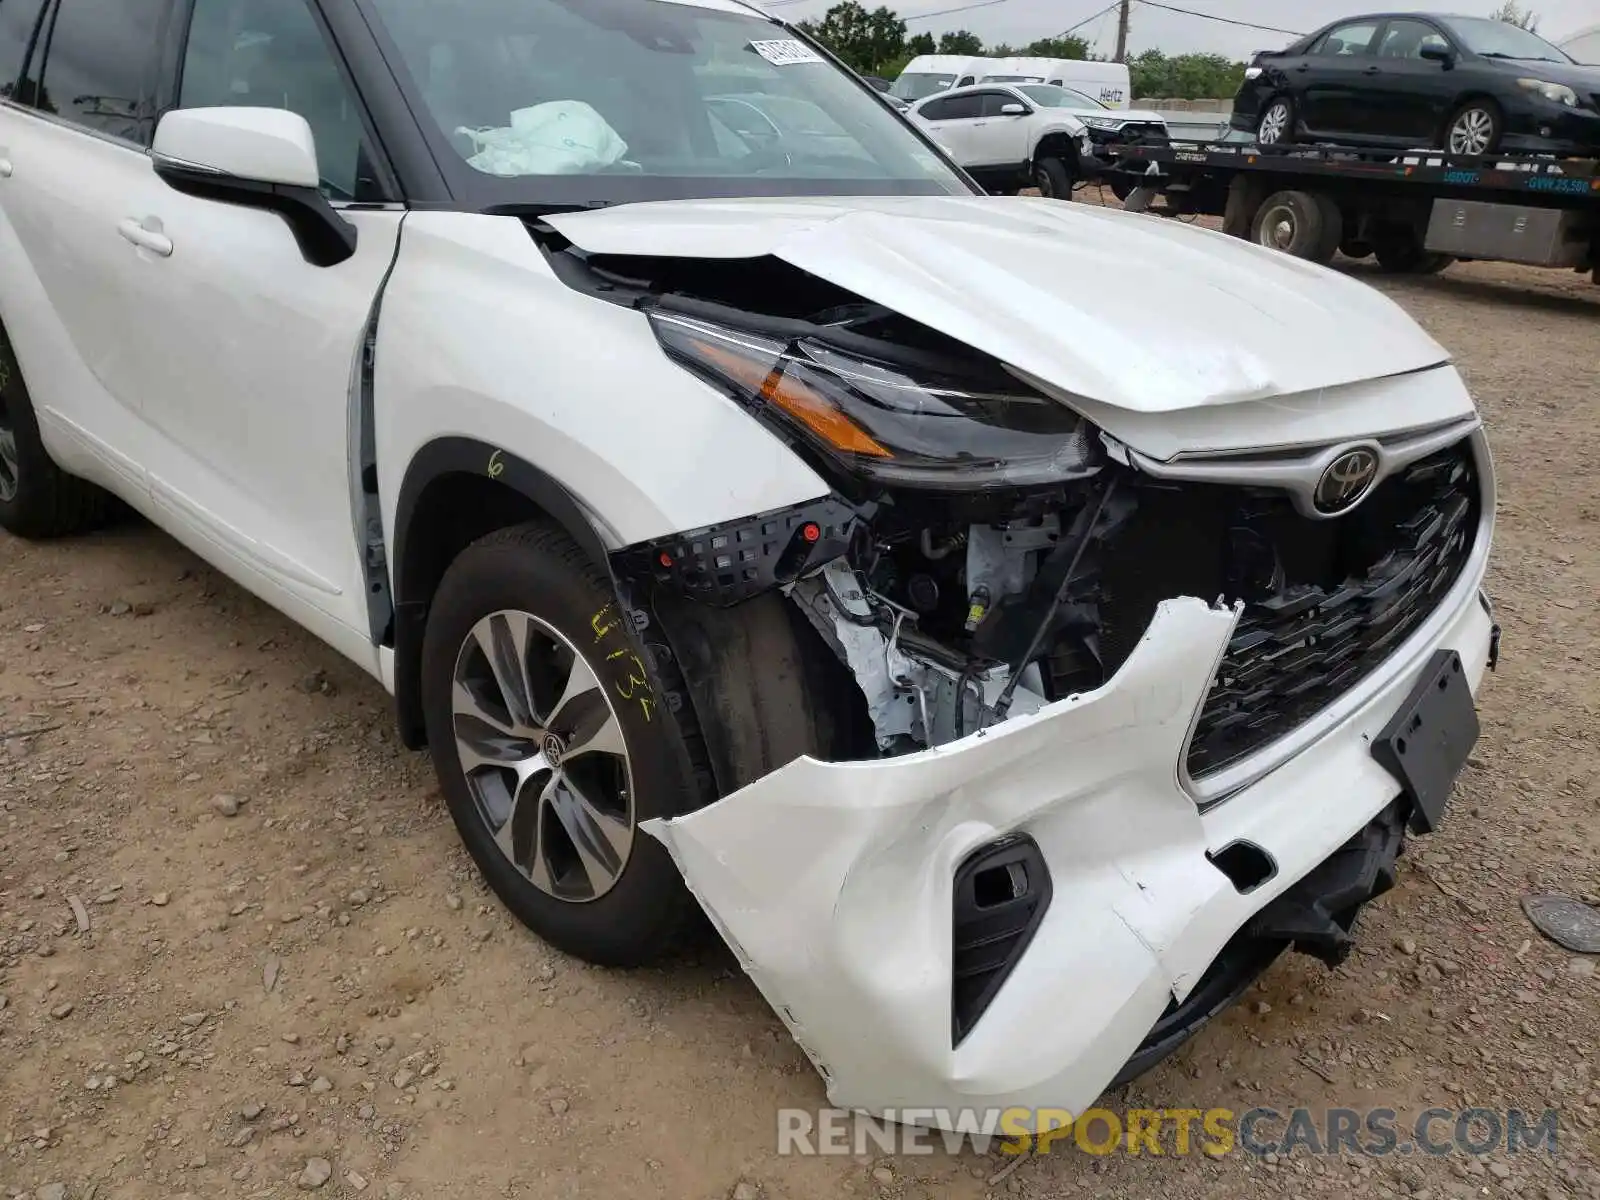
(1426, 744)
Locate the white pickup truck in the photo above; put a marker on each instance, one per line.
(1007, 140)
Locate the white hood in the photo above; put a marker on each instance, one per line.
(1137, 312)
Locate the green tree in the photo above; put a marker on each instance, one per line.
(923, 43)
(1058, 47)
(864, 40)
(1184, 76)
(960, 41)
(1513, 13)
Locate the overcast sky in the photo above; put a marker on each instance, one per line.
(1020, 21)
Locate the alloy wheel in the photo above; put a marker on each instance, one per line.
(543, 755)
(1472, 132)
(1274, 124)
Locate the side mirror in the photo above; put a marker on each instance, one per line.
(1439, 54)
(1013, 110)
(259, 158)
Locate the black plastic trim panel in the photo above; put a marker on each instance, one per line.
(722, 565)
(1002, 892)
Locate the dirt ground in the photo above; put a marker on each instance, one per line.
(237, 934)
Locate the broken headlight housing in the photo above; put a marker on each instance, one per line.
(902, 426)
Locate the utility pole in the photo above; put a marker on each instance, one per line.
(1122, 31)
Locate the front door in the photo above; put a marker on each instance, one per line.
(1410, 96)
(242, 355)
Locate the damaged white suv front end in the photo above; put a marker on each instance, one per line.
(1167, 628)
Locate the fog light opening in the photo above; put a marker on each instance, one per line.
(1246, 865)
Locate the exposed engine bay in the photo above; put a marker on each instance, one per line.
(987, 550)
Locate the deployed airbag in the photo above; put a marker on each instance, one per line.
(561, 137)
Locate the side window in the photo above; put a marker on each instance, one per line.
(271, 54)
(19, 25)
(993, 102)
(1406, 39)
(98, 60)
(1350, 39)
(959, 108)
(966, 81)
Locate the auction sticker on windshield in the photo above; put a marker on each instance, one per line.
(785, 51)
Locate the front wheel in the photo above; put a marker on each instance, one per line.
(1053, 177)
(1276, 127)
(1475, 128)
(551, 746)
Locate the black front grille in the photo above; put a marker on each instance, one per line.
(1298, 650)
(1326, 602)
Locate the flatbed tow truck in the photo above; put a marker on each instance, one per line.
(1415, 211)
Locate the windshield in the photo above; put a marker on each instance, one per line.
(920, 86)
(1050, 96)
(582, 102)
(1499, 39)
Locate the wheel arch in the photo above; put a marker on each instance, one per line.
(1468, 97)
(454, 491)
(1055, 143)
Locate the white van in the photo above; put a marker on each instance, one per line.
(930, 73)
(1107, 82)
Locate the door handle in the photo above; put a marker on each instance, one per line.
(142, 235)
(1370, 71)
(5, 165)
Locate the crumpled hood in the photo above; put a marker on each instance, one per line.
(1137, 312)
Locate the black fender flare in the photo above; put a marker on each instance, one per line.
(413, 591)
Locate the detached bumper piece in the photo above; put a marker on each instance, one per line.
(1317, 915)
(722, 565)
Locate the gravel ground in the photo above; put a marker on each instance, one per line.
(242, 955)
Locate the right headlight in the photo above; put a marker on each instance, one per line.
(1556, 93)
(915, 429)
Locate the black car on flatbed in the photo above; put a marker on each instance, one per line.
(1469, 85)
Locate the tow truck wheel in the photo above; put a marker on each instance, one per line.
(1406, 255)
(1053, 177)
(1294, 223)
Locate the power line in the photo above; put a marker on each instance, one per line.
(1224, 20)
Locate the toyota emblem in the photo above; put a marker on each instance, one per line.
(1346, 481)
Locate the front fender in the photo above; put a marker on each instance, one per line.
(479, 339)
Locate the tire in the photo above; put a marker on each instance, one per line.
(37, 498)
(1474, 128)
(1405, 255)
(1276, 126)
(1332, 230)
(1122, 188)
(623, 903)
(1053, 178)
(1294, 223)
(1353, 247)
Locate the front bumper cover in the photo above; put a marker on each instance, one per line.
(833, 882)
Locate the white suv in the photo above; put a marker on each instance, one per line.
(1016, 622)
(1007, 140)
